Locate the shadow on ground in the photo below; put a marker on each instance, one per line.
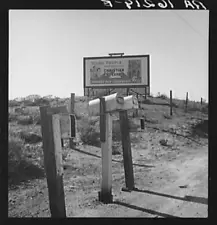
(144, 210)
(188, 198)
(88, 153)
(23, 173)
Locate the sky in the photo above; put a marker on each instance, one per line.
(46, 48)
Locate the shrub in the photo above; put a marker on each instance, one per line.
(25, 120)
(167, 116)
(205, 109)
(200, 129)
(13, 103)
(25, 162)
(78, 116)
(146, 101)
(162, 96)
(41, 102)
(12, 117)
(116, 150)
(15, 152)
(89, 131)
(37, 120)
(30, 137)
(116, 131)
(150, 120)
(174, 105)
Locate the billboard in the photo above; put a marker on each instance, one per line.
(119, 71)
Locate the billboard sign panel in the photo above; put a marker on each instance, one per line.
(124, 71)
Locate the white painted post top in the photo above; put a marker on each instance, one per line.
(113, 103)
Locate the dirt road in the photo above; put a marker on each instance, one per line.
(171, 186)
(171, 189)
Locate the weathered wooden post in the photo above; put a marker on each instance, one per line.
(137, 110)
(103, 107)
(142, 123)
(128, 91)
(126, 145)
(186, 102)
(106, 144)
(72, 111)
(53, 161)
(145, 93)
(55, 124)
(62, 142)
(171, 103)
(61, 109)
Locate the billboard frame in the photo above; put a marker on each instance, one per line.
(117, 86)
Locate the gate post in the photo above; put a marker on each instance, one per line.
(126, 145)
(51, 138)
(106, 147)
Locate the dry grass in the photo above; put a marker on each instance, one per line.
(89, 131)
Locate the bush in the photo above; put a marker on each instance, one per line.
(42, 101)
(37, 120)
(25, 120)
(78, 116)
(162, 96)
(146, 101)
(167, 116)
(30, 137)
(25, 162)
(116, 131)
(12, 117)
(174, 105)
(15, 147)
(13, 103)
(205, 109)
(89, 131)
(116, 149)
(15, 152)
(200, 129)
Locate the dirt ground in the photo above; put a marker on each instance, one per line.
(169, 181)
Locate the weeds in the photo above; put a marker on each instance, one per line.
(167, 116)
(200, 129)
(89, 132)
(24, 120)
(162, 96)
(24, 161)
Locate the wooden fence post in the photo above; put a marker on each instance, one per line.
(62, 142)
(186, 102)
(142, 123)
(128, 91)
(106, 147)
(72, 111)
(171, 103)
(126, 145)
(51, 137)
(137, 110)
